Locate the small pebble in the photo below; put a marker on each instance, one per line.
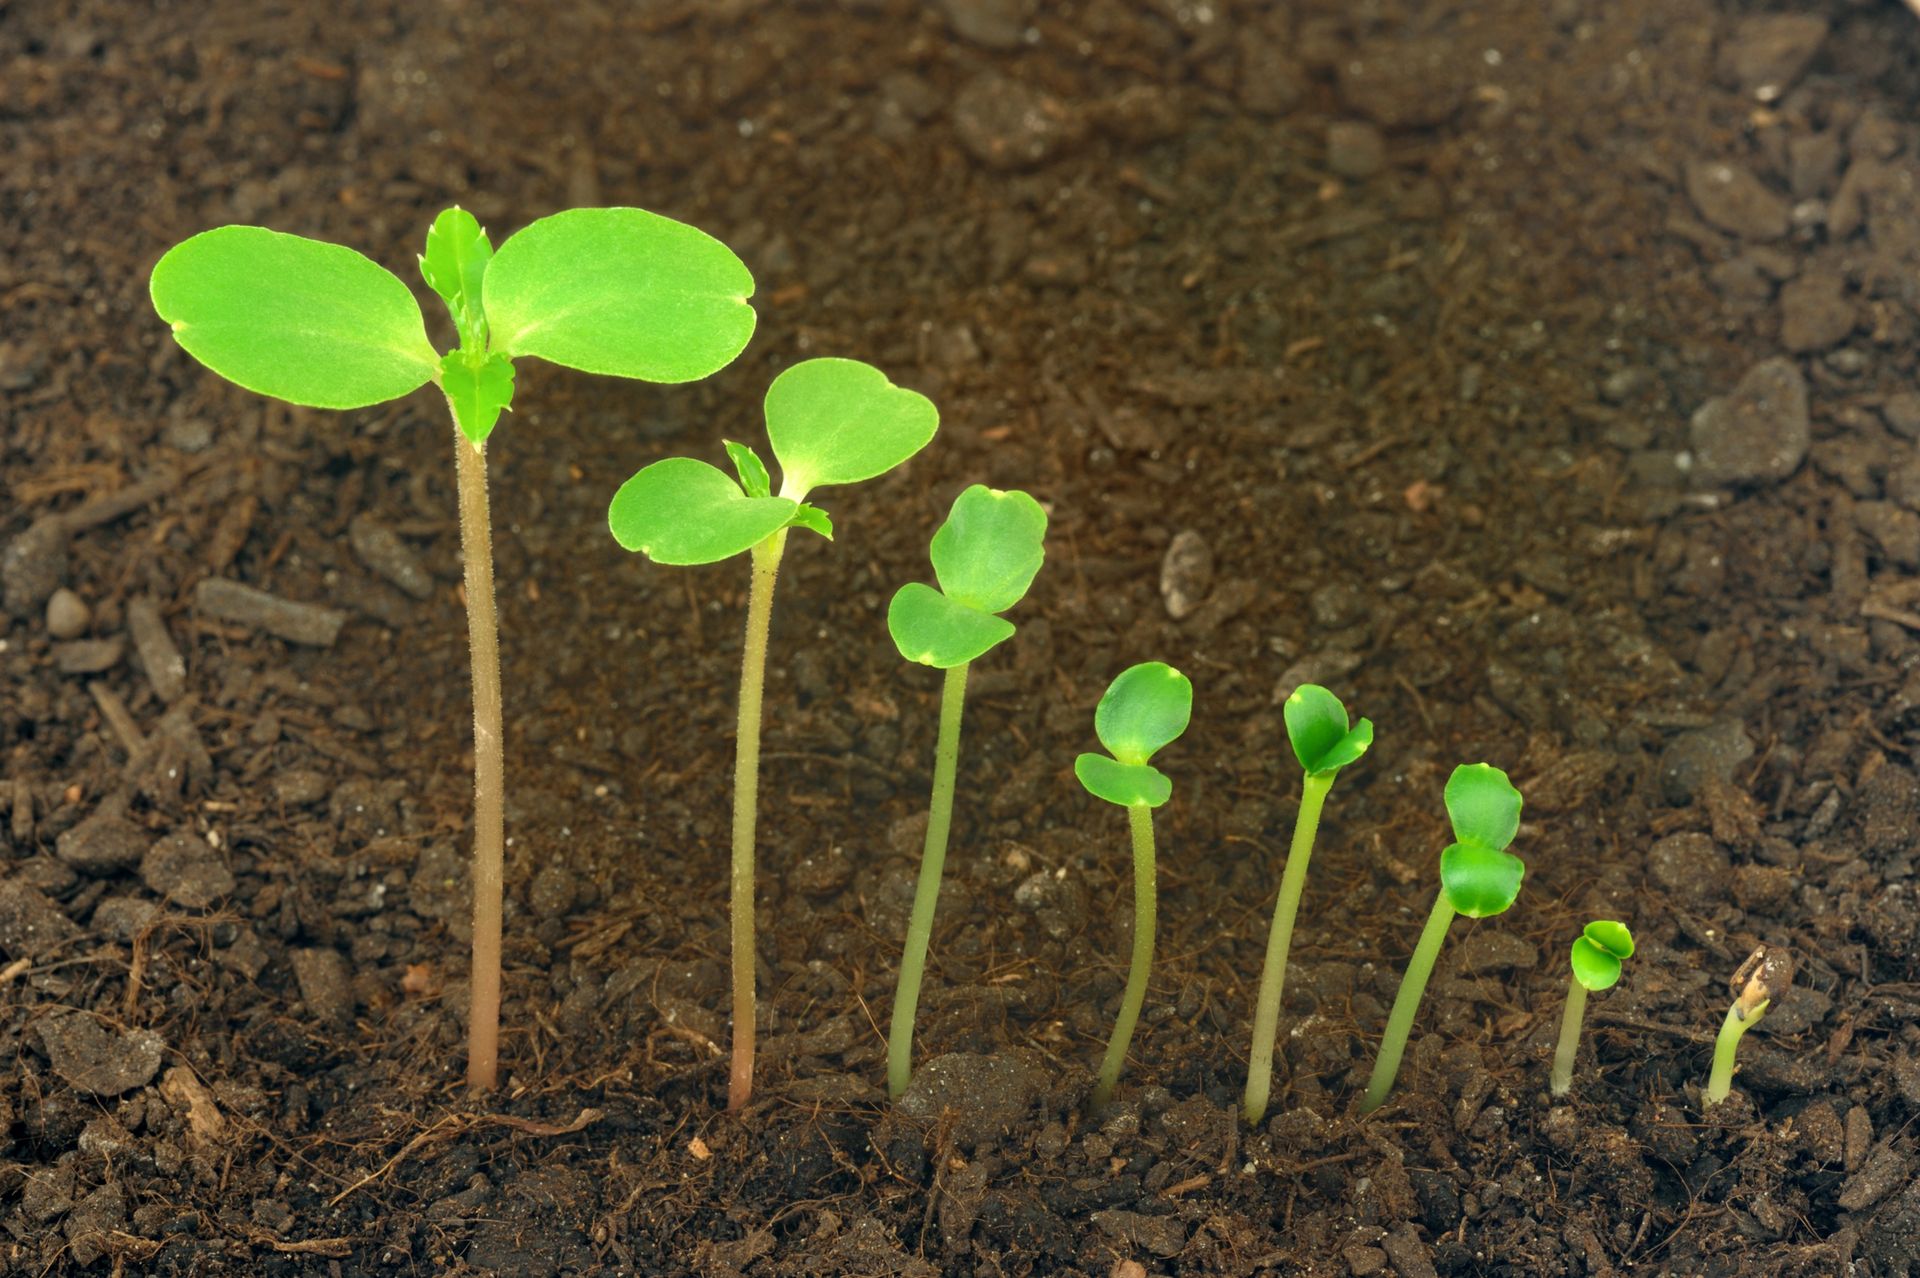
(1758, 433)
(326, 984)
(380, 549)
(104, 843)
(182, 868)
(86, 1055)
(89, 656)
(1731, 198)
(1355, 150)
(159, 655)
(1186, 573)
(301, 623)
(67, 615)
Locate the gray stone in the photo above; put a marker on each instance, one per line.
(1901, 412)
(1355, 150)
(300, 623)
(1730, 197)
(95, 1061)
(298, 787)
(984, 1096)
(104, 843)
(1894, 529)
(1815, 312)
(326, 984)
(89, 656)
(34, 565)
(30, 925)
(159, 656)
(184, 870)
(1186, 573)
(1690, 865)
(67, 615)
(1402, 83)
(1766, 53)
(1758, 433)
(380, 549)
(1702, 754)
(994, 24)
(1009, 125)
(1489, 949)
(124, 917)
(1885, 1170)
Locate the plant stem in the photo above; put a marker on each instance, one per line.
(746, 801)
(1569, 1047)
(926, 893)
(1400, 1021)
(1720, 1081)
(1141, 818)
(489, 765)
(1273, 976)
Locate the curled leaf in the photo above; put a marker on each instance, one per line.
(1318, 730)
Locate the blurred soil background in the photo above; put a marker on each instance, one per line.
(1538, 375)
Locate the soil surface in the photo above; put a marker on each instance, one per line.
(1539, 376)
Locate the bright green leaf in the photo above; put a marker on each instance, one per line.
(1131, 785)
(297, 319)
(1480, 881)
(987, 552)
(454, 265)
(1147, 706)
(752, 471)
(838, 421)
(619, 291)
(1611, 936)
(1317, 728)
(682, 511)
(935, 631)
(1593, 966)
(478, 395)
(813, 519)
(1484, 806)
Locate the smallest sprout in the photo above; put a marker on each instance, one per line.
(1764, 977)
(1597, 954)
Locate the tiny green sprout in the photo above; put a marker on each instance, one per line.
(1146, 707)
(617, 291)
(1478, 878)
(985, 557)
(1598, 952)
(1757, 984)
(829, 421)
(1324, 742)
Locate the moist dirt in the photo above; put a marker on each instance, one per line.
(1540, 376)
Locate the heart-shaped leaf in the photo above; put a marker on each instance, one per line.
(1593, 965)
(1147, 706)
(478, 393)
(1484, 806)
(838, 421)
(682, 511)
(619, 291)
(987, 552)
(935, 631)
(298, 319)
(1480, 881)
(1131, 785)
(1318, 730)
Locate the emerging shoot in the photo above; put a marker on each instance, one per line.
(617, 291)
(829, 421)
(985, 557)
(1144, 709)
(1478, 878)
(1762, 979)
(1598, 952)
(1317, 727)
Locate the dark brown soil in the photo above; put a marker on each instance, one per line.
(1436, 393)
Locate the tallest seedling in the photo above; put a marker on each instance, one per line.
(616, 291)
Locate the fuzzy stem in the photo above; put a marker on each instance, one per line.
(926, 893)
(1720, 1081)
(1273, 976)
(1576, 1012)
(1400, 1021)
(1141, 819)
(746, 806)
(489, 765)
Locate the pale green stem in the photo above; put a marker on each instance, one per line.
(1406, 1003)
(926, 893)
(1720, 1082)
(1141, 818)
(489, 764)
(746, 799)
(1570, 1020)
(1273, 976)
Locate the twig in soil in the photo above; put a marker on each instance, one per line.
(452, 1125)
(337, 1248)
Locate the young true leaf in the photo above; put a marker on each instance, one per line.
(1597, 955)
(619, 291)
(683, 511)
(478, 393)
(1143, 710)
(453, 266)
(843, 421)
(985, 556)
(838, 421)
(1323, 742)
(297, 319)
(1478, 878)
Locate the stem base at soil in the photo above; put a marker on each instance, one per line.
(1144, 892)
(1273, 976)
(1569, 1047)
(1400, 1021)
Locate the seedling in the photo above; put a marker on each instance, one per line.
(1598, 952)
(985, 557)
(1478, 878)
(1763, 978)
(1324, 743)
(617, 291)
(1144, 709)
(829, 421)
